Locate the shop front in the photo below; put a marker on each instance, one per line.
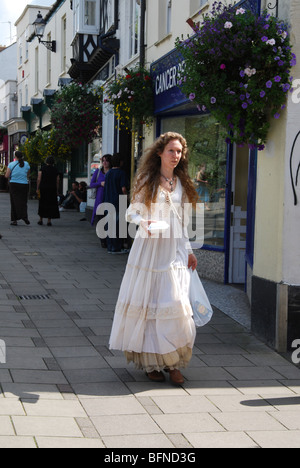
(4, 151)
(3, 162)
(221, 174)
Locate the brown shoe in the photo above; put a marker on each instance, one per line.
(176, 377)
(156, 376)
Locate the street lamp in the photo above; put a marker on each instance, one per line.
(39, 28)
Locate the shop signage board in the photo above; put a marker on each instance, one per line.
(166, 73)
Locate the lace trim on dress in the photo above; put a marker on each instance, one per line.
(150, 362)
(153, 313)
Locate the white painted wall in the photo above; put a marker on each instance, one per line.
(277, 247)
(33, 72)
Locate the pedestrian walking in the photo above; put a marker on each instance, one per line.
(18, 173)
(47, 189)
(98, 183)
(153, 323)
(116, 183)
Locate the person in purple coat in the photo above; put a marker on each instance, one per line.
(98, 182)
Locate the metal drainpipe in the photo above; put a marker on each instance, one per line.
(142, 65)
(142, 33)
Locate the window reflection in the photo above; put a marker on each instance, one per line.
(90, 13)
(207, 156)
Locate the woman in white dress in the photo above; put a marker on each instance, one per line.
(153, 322)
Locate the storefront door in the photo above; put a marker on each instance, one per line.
(238, 223)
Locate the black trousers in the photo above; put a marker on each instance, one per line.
(18, 201)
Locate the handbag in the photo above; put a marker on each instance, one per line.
(202, 309)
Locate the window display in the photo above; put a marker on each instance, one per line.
(207, 155)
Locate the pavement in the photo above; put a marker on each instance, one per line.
(61, 387)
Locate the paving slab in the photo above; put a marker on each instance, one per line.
(61, 386)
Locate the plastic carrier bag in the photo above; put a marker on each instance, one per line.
(202, 309)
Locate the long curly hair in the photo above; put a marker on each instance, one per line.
(149, 170)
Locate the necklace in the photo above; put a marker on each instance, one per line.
(170, 181)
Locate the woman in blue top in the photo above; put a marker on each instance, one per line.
(18, 174)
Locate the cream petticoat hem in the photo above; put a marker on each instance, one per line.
(150, 362)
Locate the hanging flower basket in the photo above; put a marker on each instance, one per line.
(77, 114)
(238, 68)
(132, 98)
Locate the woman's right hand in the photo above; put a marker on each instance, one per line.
(145, 225)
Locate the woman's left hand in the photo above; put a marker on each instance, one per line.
(192, 262)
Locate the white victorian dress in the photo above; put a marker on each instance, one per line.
(153, 323)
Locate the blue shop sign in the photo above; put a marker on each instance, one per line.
(165, 74)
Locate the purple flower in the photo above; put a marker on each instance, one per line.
(223, 66)
(286, 87)
(242, 73)
(277, 115)
(213, 100)
(264, 38)
(277, 79)
(242, 97)
(262, 94)
(269, 84)
(202, 84)
(293, 62)
(244, 105)
(192, 96)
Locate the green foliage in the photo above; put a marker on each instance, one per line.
(3, 169)
(77, 114)
(132, 98)
(44, 144)
(238, 67)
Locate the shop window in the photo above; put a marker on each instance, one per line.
(207, 165)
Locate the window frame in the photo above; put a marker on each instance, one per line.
(134, 25)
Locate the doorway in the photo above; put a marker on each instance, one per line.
(238, 223)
